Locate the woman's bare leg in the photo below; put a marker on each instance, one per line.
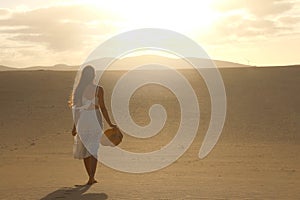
(93, 163)
(90, 164)
(93, 166)
(87, 165)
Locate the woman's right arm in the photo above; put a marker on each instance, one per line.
(103, 107)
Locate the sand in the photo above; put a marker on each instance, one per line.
(257, 156)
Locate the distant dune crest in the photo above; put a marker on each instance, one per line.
(130, 62)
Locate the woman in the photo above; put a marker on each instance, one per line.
(87, 98)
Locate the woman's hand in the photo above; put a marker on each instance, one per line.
(74, 132)
(113, 126)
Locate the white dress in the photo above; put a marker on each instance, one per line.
(89, 130)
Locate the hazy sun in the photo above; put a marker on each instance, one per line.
(183, 16)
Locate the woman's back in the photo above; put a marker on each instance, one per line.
(89, 97)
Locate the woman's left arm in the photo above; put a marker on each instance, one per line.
(76, 116)
(74, 132)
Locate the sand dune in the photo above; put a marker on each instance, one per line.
(4, 68)
(127, 62)
(257, 156)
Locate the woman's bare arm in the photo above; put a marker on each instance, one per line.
(76, 116)
(74, 132)
(103, 107)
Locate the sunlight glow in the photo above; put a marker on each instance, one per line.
(181, 16)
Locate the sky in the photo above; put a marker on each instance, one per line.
(48, 32)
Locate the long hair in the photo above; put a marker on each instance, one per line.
(87, 77)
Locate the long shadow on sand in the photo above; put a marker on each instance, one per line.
(75, 193)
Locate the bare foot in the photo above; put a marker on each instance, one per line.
(91, 182)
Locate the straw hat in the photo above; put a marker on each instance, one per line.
(111, 137)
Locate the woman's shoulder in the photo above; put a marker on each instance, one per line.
(99, 89)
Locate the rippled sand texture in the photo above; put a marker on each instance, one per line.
(257, 156)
